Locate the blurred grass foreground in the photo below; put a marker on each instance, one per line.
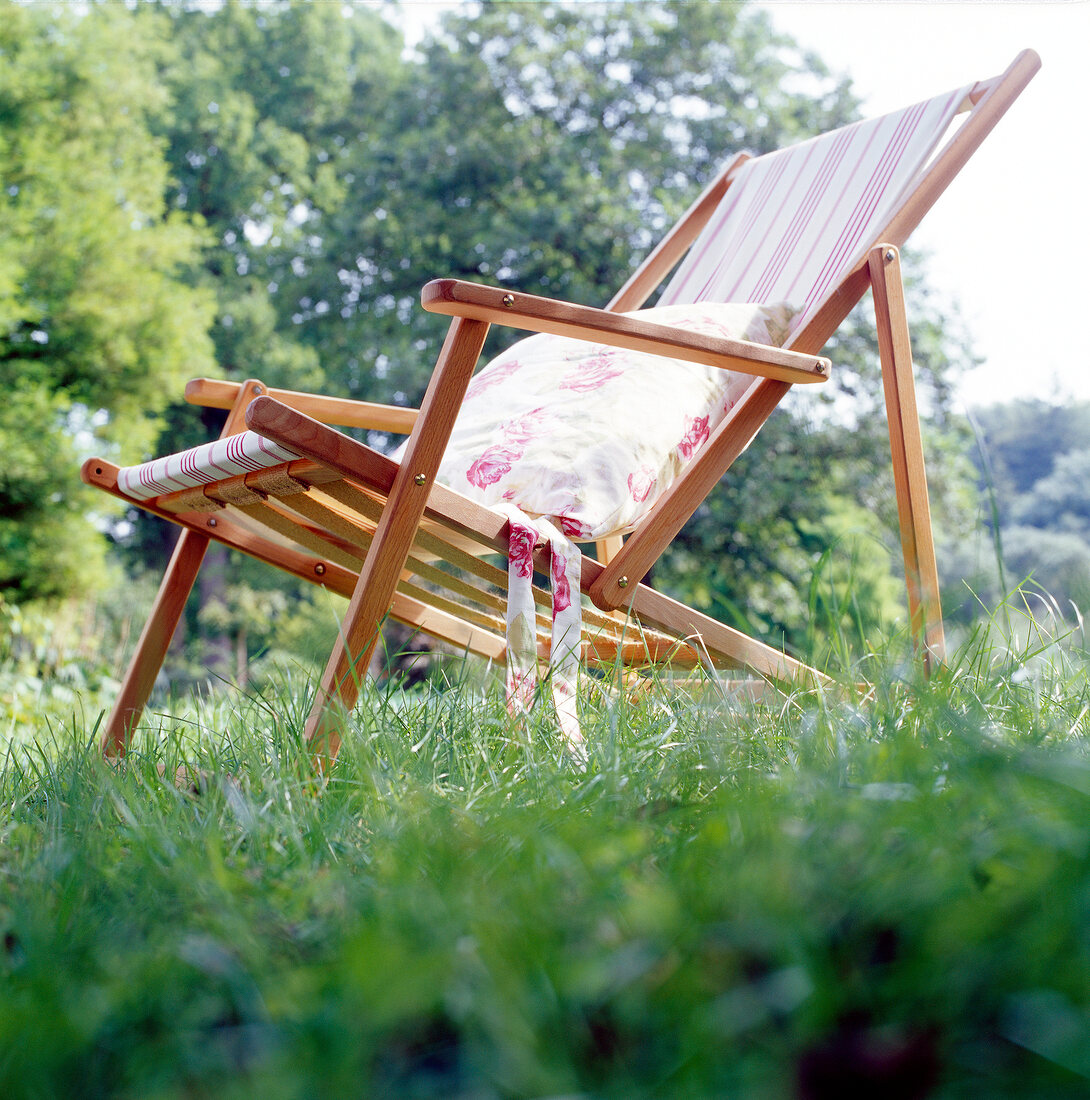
(810, 896)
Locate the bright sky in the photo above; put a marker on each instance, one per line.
(1008, 240)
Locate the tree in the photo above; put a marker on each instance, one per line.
(1020, 441)
(544, 147)
(541, 146)
(1033, 463)
(96, 321)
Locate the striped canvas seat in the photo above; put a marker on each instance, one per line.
(244, 453)
(794, 221)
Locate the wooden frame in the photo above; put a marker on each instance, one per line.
(368, 528)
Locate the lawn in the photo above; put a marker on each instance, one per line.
(814, 896)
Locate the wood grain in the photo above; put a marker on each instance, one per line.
(906, 447)
(457, 298)
(216, 394)
(393, 539)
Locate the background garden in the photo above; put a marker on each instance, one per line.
(809, 895)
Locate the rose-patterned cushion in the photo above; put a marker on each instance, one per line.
(574, 440)
(591, 435)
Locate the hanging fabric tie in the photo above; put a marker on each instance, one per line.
(567, 622)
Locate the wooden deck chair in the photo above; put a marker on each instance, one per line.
(816, 224)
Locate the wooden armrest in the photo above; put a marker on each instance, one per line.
(456, 298)
(215, 394)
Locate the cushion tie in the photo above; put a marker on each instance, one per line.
(565, 569)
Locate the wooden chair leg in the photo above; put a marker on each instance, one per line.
(166, 612)
(154, 641)
(394, 536)
(909, 476)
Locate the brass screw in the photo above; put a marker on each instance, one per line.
(508, 299)
(420, 479)
(320, 569)
(622, 582)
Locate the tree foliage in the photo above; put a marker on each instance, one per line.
(1033, 462)
(328, 174)
(97, 325)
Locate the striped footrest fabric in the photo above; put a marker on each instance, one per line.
(211, 462)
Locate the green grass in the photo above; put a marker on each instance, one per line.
(821, 897)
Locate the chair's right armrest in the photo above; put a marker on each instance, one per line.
(216, 394)
(457, 298)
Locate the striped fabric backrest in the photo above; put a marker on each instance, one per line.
(794, 222)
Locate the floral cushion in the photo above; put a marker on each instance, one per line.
(591, 435)
(574, 440)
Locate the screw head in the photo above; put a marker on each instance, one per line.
(213, 522)
(259, 390)
(508, 299)
(891, 255)
(420, 479)
(622, 582)
(319, 568)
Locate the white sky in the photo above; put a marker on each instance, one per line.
(1008, 240)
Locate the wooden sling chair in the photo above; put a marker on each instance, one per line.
(817, 223)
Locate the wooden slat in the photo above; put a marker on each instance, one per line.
(453, 630)
(444, 505)
(456, 298)
(361, 536)
(217, 394)
(609, 548)
(304, 471)
(720, 642)
(348, 557)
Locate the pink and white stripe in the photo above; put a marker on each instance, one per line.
(794, 222)
(223, 458)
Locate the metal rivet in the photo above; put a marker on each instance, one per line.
(890, 255)
(622, 582)
(821, 368)
(420, 479)
(320, 569)
(259, 389)
(212, 522)
(508, 299)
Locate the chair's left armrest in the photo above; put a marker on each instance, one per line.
(457, 298)
(215, 394)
